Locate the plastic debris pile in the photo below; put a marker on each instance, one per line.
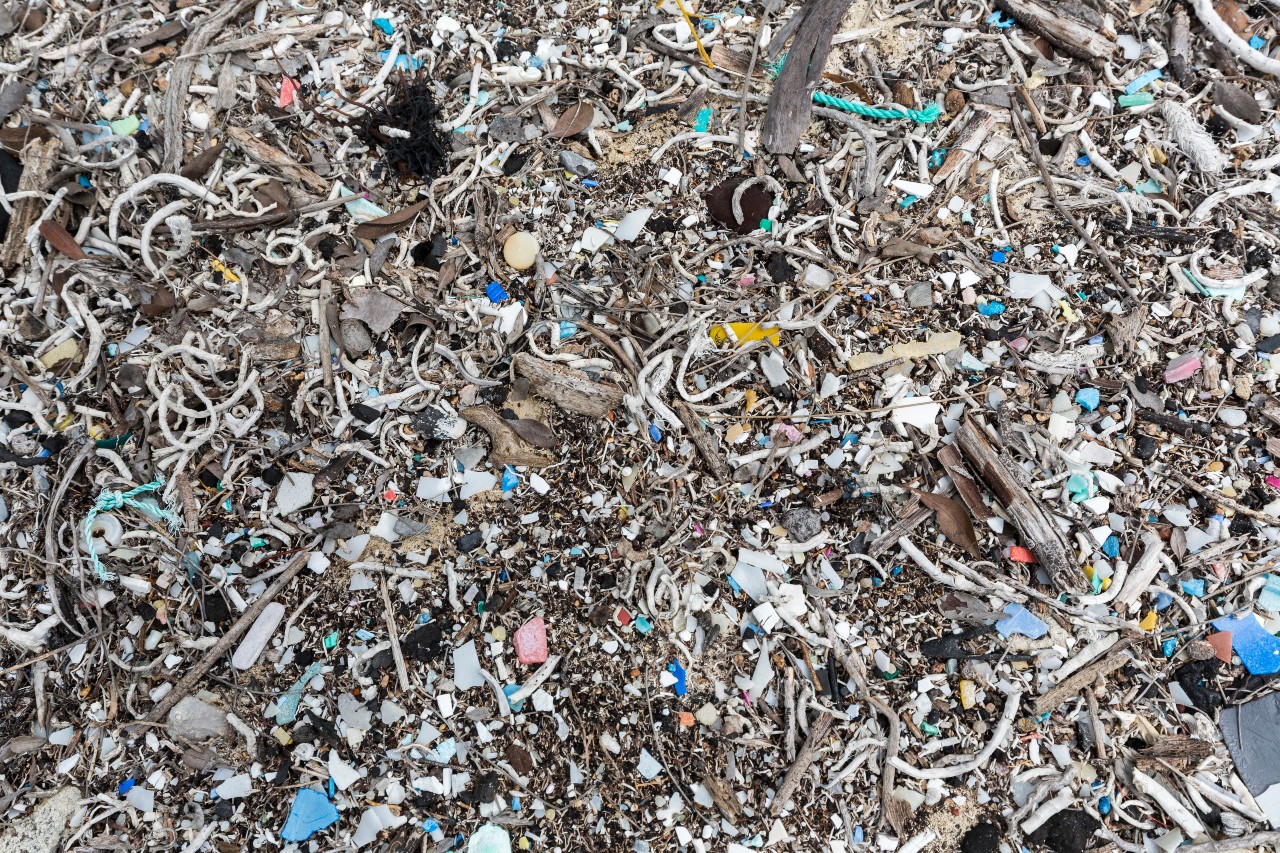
(560, 427)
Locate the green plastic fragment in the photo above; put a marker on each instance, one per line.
(126, 126)
(1138, 99)
(331, 641)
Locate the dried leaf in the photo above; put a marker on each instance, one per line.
(535, 432)
(575, 120)
(60, 239)
(1230, 12)
(383, 225)
(953, 521)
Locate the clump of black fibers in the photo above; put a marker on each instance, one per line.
(412, 109)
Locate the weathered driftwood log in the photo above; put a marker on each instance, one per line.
(1053, 21)
(1037, 528)
(508, 447)
(791, 101)
(567, 387)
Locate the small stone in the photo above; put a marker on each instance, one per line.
(1146, 447)
(194, 720)
(506, 129)
(707, 715)
(1201, 650)
(802, 524)
(1271, 343)
(1237, 101)
(531, 641)
(576, 163)
(468, 542)
(521, 250)
(356, 339)
(920, 295)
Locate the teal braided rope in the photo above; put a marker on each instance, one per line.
(109, 501)
(925, 116)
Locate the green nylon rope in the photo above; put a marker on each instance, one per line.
(108, 501)
(925, 116)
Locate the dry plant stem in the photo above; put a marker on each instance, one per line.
(817, 735)
(1101, 254)
(227, 640)
(703, 441)
(402, 672)
(888, 772)
(51, 522)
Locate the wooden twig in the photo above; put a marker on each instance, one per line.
(703, 442)
(970, 138)
(396, 652)
(38, 159)
(1036, 526)
(229, 639)
(817, 735)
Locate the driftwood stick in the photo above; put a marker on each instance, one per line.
(568, 387)
(1035, 525)
(817, 734)
(1070, 687)
(703, 442)
(1071, 36)
(38, 159)
(791, 101)
(508, 447)
(229, 639)
(971, 137)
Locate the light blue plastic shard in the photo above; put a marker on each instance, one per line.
(1258, 650)
(287, 704)
(311, 812)
(1021, 621)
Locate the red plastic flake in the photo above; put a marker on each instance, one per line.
(531, 641)
(1021, 555)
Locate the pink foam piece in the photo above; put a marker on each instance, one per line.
(531, 641)
(288, 89)
(1273, 481)
(1182, 367)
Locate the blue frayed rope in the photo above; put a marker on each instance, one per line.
(109, 501)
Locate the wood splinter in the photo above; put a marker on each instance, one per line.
(508, 447)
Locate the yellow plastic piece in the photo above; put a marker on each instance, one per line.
(225, 270)
(745, 333)
(751, 397)
(968, 694)
(1148, 622)
(1067, 312)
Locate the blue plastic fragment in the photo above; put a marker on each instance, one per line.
(1088, 398)
(1168, 647)
(1111, 547)
(509, 479)
(1083, 160)
(496, 292)
(384, 25)
(1259, 651)
(1257, 42)
(311, 812)
(681, 685)
(404, 63)
(991, 309)
(997, 20)
(1104, 806)
(509, 691)
(1194, 587)
(287, 704)
(127, 785)
(999, 257)
(655, 433)
(1142, 81)
(1021, 621)
(703, 120)
(364, 634)
(1163, 600)
(859, 837)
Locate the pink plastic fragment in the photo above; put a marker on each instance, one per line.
(531, 641)
(1273, 481)
(1182, 367)
(288, 89)
(1019, 343)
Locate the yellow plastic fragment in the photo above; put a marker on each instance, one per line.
(968, 694)
(744, 333)
(1067, 312)
(1148, 622)
(219, 266)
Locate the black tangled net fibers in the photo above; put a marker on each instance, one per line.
(412, 109)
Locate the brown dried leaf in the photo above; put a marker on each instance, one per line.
(575, 120)
(383, 225)
(953, 521)
(535, 432)
(60, 239)
(1230, 12)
